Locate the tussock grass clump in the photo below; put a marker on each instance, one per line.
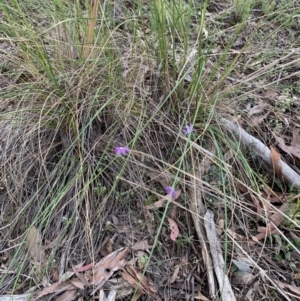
(79, 80)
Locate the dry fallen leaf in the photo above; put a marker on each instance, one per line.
(243, 265)
(85, 267)
(107, 247)
(67, 275)
(291, 150)
(45, 281)
(272, 196)
(278, 216)
(104, 269)
(221, 226)
(270, 92)
(141, 245)
(34, 245)
(174, 229)
(81, 277)
(53, 244)
(258, 120)
(275, 158)
(115, 220)
(259, 209)
(120, 285)
(137, 295)
(234, 235)
(199, 296)
(247, 193)
(257, 114)
(79, 265)
(55, 288)
(254, 291)
(161, 203)
(164, 178)
(257, 110)
(67, 296)
(275, 220)
(175, 275)
(283, 285)
(242, 278)
(228, 155)
(54, 273)
(123, 229)
(139, 281)
(149, 220)
(77, 283)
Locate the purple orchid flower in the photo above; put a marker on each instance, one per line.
(122, 150)
(188, 129)
(171, 190)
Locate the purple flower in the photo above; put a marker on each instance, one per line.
(171, 190)
(188, 129)
(124, 150)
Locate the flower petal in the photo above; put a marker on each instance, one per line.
(117, 151)
(124, 150)
(188, 129)
(168, 189)
(171, 190)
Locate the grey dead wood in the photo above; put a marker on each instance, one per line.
(219, 264)
(256, 146)
(62, 265)
(198, 208)
(23, 297)
(217, 257)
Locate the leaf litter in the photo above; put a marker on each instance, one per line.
(264, 220)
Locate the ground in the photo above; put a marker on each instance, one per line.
(151, 149)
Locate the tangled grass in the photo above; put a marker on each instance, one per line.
(79, 80)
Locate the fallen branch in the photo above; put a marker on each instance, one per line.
(217, 256)
(198, 208)
(23, 297)
(289, 175)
